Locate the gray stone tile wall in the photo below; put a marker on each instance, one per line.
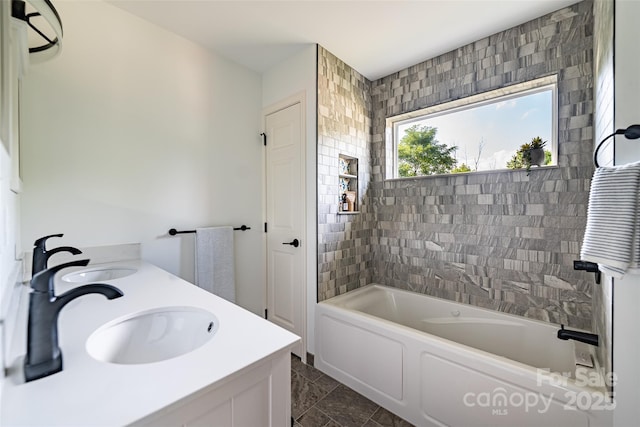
(501, 240)
(345, 255)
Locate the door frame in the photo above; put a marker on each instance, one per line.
(297, 98)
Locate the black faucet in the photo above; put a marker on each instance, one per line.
(41, 255)
(585, 337)
(43, 354)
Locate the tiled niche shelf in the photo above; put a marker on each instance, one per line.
(348, 183)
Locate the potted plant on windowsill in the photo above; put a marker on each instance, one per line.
(529, 154)
(535, 155)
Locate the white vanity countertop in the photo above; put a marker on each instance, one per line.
(88, 392)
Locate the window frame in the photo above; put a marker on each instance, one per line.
(506, 93)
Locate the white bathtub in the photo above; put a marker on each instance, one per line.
(440, 363)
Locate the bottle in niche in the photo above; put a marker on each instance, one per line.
(345, 204)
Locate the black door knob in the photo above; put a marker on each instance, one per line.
(295, 243)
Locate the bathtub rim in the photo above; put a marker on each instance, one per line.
(337, 300)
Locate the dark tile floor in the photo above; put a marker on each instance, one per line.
(318, 400)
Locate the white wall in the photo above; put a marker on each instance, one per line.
(294, 75)
(10, 266)
(626, 293)
(133, 130)
(627, 86)
(603, 50)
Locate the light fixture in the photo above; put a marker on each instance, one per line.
(45, 9)
(632, 132)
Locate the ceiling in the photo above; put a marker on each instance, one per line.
(375, 37)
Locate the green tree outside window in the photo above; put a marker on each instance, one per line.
(420, 153)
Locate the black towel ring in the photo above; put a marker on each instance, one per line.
(632, 132)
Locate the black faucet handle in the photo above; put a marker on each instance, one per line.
(590, 267)
(70, 249)
(40, 243)
(43, 281)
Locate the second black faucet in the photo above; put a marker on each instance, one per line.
(41, 255)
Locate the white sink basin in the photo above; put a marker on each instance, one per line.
(152, 336)
(98, 274)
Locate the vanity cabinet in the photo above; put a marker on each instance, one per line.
(348, 184)
(259, 395)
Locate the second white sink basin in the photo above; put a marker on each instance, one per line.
(152, 336)
(98, 274)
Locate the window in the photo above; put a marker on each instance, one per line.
(479, 133)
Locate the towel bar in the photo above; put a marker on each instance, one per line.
(173, 231)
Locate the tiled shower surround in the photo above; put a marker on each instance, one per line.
(501, 240)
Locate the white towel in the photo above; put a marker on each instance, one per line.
(214, 261)
(612, 235)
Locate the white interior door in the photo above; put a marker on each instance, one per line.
(285, 199)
